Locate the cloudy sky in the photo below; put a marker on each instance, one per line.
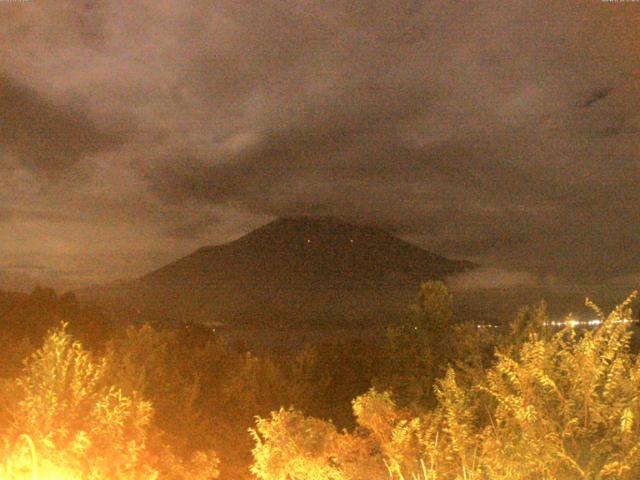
(132, 132)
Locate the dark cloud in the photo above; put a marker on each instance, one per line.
(194, 229)
(507, 135)
(44, 136)
(596, 96)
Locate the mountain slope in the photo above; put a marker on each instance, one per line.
(292, 270)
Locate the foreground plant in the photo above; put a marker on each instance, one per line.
(562, 406)
(67, 421)
(568, 407)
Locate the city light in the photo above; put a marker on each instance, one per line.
(568, 322)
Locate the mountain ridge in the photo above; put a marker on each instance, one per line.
(286, 271)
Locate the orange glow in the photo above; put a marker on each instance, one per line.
(25, 464)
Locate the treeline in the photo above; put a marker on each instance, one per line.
(435, 397)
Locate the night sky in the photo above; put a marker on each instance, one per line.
(132, 132)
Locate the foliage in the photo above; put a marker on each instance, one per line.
(79, 422)
(433, 309)
(290, 446)
(323, 378)
(560, 405)
(205, 393)
(420, 346)
(451, 401)
(31, 317)
(568, 407)
(145, 361)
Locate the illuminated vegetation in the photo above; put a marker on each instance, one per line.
(74, 423)
(565, 407)
(433, 398)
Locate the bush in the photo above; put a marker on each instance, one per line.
(562, 405)
(78, 422)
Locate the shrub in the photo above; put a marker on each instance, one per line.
(81, 425)
(559, 406)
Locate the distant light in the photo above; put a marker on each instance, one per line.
(570, 322)
(351, 240)
(308, 240)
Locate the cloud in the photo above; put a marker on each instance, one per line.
(42, 135)
(508, 135)
(596, 96)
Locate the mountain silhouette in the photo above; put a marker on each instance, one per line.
(294, 270)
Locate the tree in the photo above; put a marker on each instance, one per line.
(75, 419)
(290, 446)
(419, 347)
(568, 407)
(82, 425)
(433, 310)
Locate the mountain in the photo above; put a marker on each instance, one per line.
(295, 270)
